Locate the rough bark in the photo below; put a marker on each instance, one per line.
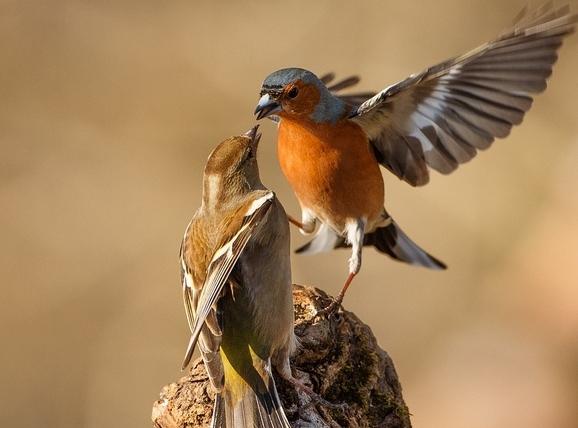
(339, 357)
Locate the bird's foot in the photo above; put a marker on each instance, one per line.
(314, 397)
(331, 308)
(336, 303)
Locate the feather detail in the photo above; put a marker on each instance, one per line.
(461, 105)
(222, 264)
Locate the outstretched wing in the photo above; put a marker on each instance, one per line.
(440, 117)
(220, 268)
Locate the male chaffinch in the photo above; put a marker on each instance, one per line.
(330, 146)
(235, 268)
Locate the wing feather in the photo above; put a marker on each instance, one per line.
(220, 268)
(210, 336)
(446, 113)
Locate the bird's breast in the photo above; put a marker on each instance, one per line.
(331, 169)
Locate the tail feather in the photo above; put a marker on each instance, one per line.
(253, 409)
(389, 239)
(218, 419)
(325, 240)
(393, 241)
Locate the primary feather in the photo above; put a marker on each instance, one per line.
(440, 117)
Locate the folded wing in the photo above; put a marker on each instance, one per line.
(199, 303)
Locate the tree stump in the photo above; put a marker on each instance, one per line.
(338, 356)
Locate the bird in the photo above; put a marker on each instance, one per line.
(330, 146)
(235, 266)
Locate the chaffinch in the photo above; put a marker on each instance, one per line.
(330, 146)
(235, 268)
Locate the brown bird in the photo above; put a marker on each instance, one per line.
(330, 146)
(235, 269)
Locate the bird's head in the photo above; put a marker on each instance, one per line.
(232, 168)
(298, 94)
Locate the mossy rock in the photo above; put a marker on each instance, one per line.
(338, 357)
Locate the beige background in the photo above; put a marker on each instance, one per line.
(108, 111)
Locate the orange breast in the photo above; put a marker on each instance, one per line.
(331, 169)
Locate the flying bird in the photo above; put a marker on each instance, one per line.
(330, 146)
(235, 263)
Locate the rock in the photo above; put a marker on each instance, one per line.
(339, 357)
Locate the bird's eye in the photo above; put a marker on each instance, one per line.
(293, 92)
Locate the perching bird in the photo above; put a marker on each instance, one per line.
(330, 146)
(235, 269)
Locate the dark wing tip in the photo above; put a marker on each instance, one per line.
(189, 353)
(439, 265)
(344, 84)
(327, 78)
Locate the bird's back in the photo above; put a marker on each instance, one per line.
(251, 333)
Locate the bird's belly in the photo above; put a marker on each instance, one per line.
(335, 177)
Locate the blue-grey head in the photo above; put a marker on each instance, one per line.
(299, 94)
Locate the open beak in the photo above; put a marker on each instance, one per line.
(266, 107)
(254, 136)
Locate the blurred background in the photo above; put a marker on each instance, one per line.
(108, 111)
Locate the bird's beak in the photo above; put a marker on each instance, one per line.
(254, 136)
(266, 107)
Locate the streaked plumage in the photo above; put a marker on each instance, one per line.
(235, 267)
(330, 144)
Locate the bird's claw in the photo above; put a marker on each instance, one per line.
(330, 309)
(315, 398)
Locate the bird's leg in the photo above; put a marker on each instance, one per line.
(336, 303)
(355, 233)
(295, 222)
(307, 224)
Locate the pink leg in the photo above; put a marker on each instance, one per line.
(333, 306)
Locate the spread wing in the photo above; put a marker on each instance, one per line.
(199, 304)
(440, 117)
